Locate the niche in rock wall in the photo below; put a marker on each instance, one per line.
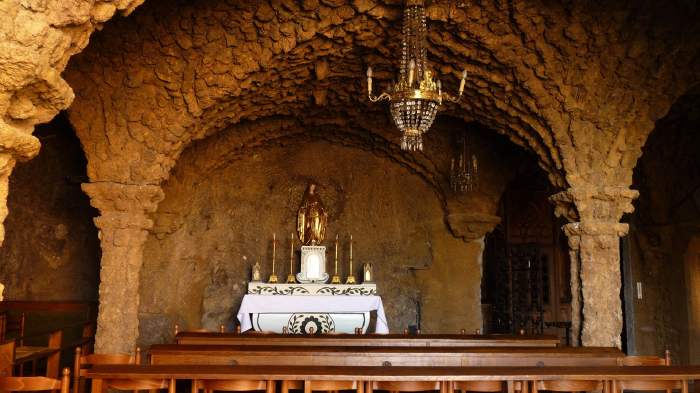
(51, 250)
(661, 246)
(217, 218)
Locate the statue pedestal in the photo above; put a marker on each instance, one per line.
(313, 265)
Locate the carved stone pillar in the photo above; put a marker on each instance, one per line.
(576, 301)
(123, 228)
(594, 243)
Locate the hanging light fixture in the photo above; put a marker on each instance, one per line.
(464, 177)
(416, 97)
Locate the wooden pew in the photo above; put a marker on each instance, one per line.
(367, 374)
(381, 356)
(372, 340)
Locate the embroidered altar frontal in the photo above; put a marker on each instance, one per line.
(311, 308)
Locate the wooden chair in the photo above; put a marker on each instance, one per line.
(3, 326)
(646, 386)
(483, 386)
(326, 386)
(7, 358)
(619, 386)
(407, 386)
(233, 386)
(101, 385)
(16, 325)
(641, 361)
(54, 360)
(88, 338)
(480, 386)
(645, 360)
(83, 362)
(33, 354)
(566, 385)
(33, 384)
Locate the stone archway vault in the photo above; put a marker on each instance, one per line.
(573, 83)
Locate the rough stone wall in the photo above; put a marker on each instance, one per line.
(211, 228)
(37, 38)
(51, 251)
(665, 222)
(579, 84)
(222, 205)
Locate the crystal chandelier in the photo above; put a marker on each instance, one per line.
(465, 176)
(416, 97)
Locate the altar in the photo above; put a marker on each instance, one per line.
(307, 303)
(311, 308)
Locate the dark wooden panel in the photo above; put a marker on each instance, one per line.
(387, 340)
(393, 373)
(380, 356)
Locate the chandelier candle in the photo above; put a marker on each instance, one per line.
(415, 98)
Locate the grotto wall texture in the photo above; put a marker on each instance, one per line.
(663, 249)
(51, 251)
(541, 73)
(579, 84)
(37, 38)
(223, 202)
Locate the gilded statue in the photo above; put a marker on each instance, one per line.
(311, 218)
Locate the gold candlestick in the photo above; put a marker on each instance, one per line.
(336, 278)
(290, 277)
(351, 276)
(273, 277)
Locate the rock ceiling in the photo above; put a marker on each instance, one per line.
(580, 84)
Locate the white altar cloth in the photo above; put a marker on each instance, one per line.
(256, 304)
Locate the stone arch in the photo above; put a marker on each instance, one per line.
(207, 164)
(555, 87)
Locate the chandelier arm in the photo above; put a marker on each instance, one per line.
(451, 98)
(382, 97)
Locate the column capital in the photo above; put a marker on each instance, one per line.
(596, 228)
(123, 198)
(471, 226)
(594, 204)
(124, 206)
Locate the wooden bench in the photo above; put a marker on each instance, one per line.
(509, 375)
(378, 340)
(381, 356)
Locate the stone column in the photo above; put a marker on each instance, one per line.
(123, 228)
(594, 242)
(575, 270)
